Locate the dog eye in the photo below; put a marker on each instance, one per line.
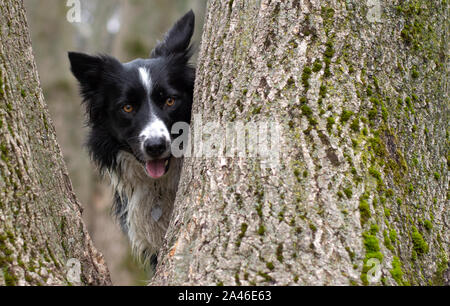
(127, 108)
(170, 101)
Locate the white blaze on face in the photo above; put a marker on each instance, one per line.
(145, 79)
(155, 128)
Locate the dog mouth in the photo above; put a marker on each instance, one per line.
(156, 168)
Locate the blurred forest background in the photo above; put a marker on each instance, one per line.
(126, 29)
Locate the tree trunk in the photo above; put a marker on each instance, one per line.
(42, 237)
(361, 192)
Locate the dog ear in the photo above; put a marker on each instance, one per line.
(87, 69)
(90, 71)
(177, 39)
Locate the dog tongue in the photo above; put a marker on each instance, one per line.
(156, 168)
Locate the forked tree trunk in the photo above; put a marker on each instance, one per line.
(42, 237)
(359, 89)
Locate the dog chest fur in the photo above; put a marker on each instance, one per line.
(143, 205)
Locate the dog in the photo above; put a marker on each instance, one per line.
(131, 108)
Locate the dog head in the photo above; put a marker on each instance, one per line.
(132, 106)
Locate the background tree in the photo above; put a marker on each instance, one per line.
(42, 237)
(359, 88)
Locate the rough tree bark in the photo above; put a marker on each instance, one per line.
(359, 88)
(42, 237)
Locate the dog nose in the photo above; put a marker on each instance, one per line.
(155, 146)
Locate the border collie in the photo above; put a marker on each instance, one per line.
(131, 108)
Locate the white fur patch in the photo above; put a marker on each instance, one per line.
(154, 129)
(145, 79)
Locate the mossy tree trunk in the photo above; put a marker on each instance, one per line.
(42, 237)
(359, 88)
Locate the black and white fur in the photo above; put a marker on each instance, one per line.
(133, 147)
